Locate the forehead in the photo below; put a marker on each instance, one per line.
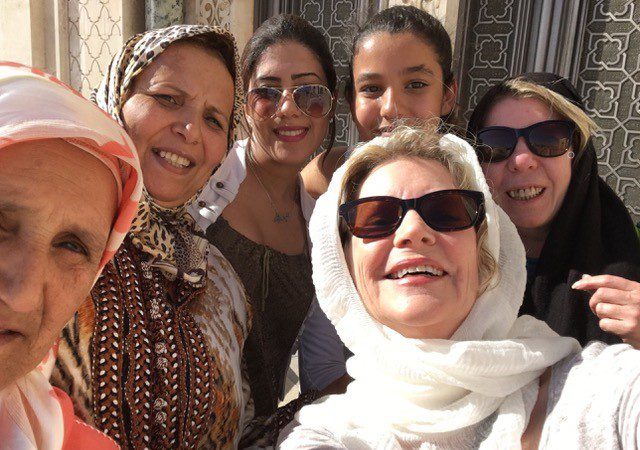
(286, 59)
(389, 54)
(518, 112)
(52, 182)
(190, 67)
(407, 178)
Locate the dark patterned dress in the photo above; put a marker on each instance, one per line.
(156, 363)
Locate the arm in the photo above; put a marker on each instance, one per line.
(321, 353)
(317, 174)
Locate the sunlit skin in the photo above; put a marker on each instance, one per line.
(181, 104)
(416, 306)
(286, 66)
(397, 76)
(523, 169)
(57, 204)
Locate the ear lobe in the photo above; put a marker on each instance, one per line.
(449, 98)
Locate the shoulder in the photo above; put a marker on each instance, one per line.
(317, 174)
(592, 395)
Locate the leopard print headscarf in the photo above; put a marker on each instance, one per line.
(168, 235)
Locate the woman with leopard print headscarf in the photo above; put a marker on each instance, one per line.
(153, 356)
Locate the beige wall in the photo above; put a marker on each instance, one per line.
(21, 36)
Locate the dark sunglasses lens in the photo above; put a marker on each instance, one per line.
(375, 218)
(551, 138)
(449, 212)
(264, 101)
(495, 145)
(313, 100)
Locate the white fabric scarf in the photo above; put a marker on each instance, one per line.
(410, 390)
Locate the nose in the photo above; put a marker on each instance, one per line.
(522, 157)
(23, 277)
(390, 107)
(287, 106)
(187, 125)
(413, 231)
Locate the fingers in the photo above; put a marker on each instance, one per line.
(614, 296)
(591, 283)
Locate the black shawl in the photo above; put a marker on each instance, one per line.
(592, 233)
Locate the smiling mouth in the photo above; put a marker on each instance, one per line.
(177, 161)
(525, 194)
(429, 271)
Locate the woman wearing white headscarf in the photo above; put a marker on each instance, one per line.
(423, 275)
(70, 182)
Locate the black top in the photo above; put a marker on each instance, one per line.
(280, 292)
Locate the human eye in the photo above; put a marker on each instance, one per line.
(165, 99)
(416, 85)
(370, 90)
(214, 122)
(72, 244)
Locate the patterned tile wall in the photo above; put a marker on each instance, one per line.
(336, 18)
(608, 79)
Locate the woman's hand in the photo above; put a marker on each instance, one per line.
(616, 301)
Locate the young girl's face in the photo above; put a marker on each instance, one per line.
(397, 76)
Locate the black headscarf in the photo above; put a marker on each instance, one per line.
(592, 233)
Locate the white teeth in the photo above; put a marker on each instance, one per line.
(429, 270)
(175, 160)
(291, 132)
(525, 194)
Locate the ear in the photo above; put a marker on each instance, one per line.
(449, 98)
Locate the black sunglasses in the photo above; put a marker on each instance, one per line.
(314, 100)
(546, 139)
(448, 210)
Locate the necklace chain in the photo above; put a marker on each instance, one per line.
(277, 218)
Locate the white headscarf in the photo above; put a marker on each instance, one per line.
(412, 390)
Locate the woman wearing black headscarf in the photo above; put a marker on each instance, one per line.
(533, 137)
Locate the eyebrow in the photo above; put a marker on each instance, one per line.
(368, 76)
(12, 207)
(418, 69)
(295, 76)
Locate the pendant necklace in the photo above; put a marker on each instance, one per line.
(278, 218)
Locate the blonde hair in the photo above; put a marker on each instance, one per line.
(416, 143)
(585, 126)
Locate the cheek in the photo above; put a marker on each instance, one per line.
(215, 150)
(367, 263)
(560, 172)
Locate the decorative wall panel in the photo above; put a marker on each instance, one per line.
(499, 42)
(215, 12)
(609, 81)
(95, 34)
(336, 18)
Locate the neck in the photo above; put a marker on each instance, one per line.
(281, 180)
(533, 240)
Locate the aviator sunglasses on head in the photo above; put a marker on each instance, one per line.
(546, 139)
(314, 100)
(448, 210)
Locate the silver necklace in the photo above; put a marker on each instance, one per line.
(277, 218)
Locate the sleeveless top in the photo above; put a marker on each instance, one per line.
(280, 292)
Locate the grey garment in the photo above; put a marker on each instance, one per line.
(593, 403)
(594, 400)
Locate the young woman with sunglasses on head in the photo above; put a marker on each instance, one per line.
(583, 256)
(400, 69)
(255, 208)
(422, 275)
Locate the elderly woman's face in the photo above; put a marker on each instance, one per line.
(178, 115)
(416, 305)
(57, 204)
(528, 187)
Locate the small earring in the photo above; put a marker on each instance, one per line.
(571, 155)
